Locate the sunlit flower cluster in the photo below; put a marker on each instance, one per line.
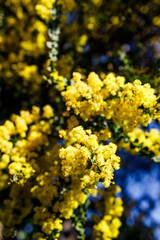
(143, 141)
(128, 105)
(88, 161)
(21, 141)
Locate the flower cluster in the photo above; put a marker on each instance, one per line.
(22, 64)
(43, 9)
(128, 105)
(88, 161)
(146, 142)
(15, 208)
(21, 141)
(106, 226)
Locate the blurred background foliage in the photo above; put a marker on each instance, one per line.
(96, 35)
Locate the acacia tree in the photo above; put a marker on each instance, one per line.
(69, 77)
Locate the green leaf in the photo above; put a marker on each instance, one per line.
(89, 164)
(158, 100)
(141, 107)
(132, 146)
